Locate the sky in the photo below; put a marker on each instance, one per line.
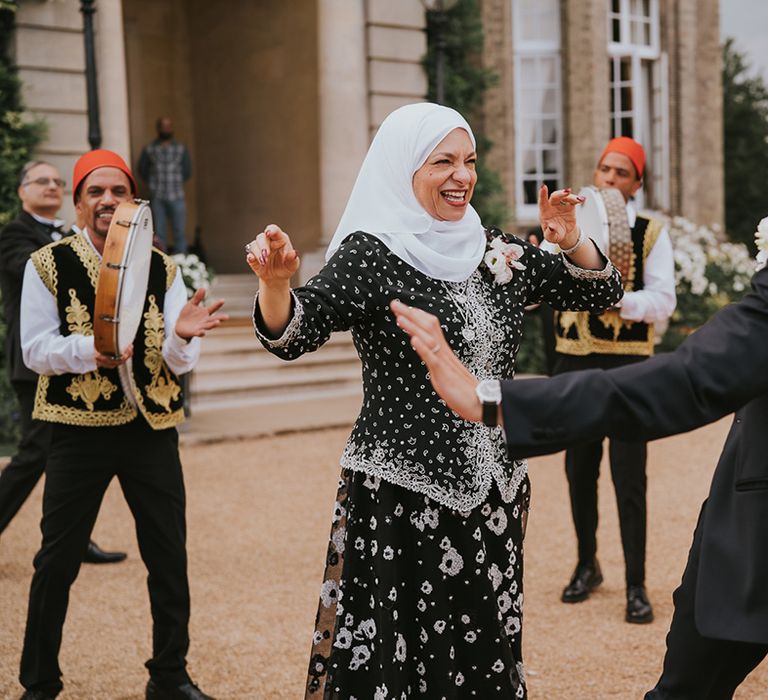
(747, 22)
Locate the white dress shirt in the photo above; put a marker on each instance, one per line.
(47, 352)
(656, 301)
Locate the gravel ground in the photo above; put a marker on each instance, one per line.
(259, 514)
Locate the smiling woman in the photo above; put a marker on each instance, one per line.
(423, 587)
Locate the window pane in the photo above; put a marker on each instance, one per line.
(636, 7)
(626, 99)
(547, 71)
(616, 31)
(637, 32)
(647, 34)
(552, 185)
(549, 101)
(527, 68)
(549, 131)
(616, 6)
(529, 162)
(647, 8)
(549, 160)
(531, 191)
(626, 127)
(626, 70)
(527, 134)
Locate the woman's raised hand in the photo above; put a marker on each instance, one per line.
(271, 255)
(557, 214)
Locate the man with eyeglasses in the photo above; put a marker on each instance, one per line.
(41, 190)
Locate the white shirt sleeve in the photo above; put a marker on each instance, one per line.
(181, 356)
(44, 349)
(657, 300)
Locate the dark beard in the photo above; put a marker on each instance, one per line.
(165, 135)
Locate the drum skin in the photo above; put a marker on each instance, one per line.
(123, 278)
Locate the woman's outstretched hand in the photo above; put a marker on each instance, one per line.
(271, 256)
(557, 215)
(453, 382)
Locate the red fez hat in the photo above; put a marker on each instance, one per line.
(100, 158)
(628, 147)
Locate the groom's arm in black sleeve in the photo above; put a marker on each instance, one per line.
(719, 368)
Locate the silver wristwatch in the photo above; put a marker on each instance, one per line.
(489, 393)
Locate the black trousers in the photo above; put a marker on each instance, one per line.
(81, 465)
(582, 467)
(26, 467)
(696, 667)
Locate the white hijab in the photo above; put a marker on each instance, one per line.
(384, 205)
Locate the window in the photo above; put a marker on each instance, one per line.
(538, 101)
(638, 90)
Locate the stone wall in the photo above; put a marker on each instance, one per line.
(49, 51)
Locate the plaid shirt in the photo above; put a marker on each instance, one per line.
(165, 166)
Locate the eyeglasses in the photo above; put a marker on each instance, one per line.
(45, 181)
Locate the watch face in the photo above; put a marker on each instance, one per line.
(489, 391)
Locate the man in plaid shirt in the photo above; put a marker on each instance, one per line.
(165, 166)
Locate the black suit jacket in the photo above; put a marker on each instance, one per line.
(18, 240)
(721, 368)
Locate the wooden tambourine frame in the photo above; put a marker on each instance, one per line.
(123, 277)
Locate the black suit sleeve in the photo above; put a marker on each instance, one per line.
(718, 369)
(16, 246)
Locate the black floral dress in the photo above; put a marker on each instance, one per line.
(422, 593)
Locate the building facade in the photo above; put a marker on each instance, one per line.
(278, 101)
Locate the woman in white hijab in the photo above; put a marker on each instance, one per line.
(422, 592)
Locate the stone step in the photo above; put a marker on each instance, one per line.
(242, 339)
(248, 360)
(270, 381)
(237, 291)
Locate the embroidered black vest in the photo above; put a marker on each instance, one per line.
(69, 269)
(580, 333)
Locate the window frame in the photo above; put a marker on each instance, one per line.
(535, 49)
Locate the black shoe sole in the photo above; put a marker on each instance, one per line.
(635, 620)
(583, 596)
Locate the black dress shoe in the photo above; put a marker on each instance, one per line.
(586, 577)
(185, 691)
(96, 555)
(639, 608)
(36, 695)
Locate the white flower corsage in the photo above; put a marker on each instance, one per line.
(761, 240)
(501, 258)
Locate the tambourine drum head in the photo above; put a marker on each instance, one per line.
(592, 217)
(135, 277)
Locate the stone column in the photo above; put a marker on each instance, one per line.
(112, 78)
(585, 87)
(343, 90)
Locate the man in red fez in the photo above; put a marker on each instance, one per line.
(641, 248)
(111, 418)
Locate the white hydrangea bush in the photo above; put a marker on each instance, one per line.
(194, 273)
(710, 272)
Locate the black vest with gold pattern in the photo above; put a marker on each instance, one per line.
(69, 269)
(582, 333)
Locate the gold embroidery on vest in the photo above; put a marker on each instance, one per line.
(78, 318)
(611, 320)
(652, 233)
(88, 257)
(69, 415)
(45, 265)
(162, 389)
(170, 269)
(90, 387)
(568, 319)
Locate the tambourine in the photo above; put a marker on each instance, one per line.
(603, 217)
(123, 278)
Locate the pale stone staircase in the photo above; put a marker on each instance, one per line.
(239, 389)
